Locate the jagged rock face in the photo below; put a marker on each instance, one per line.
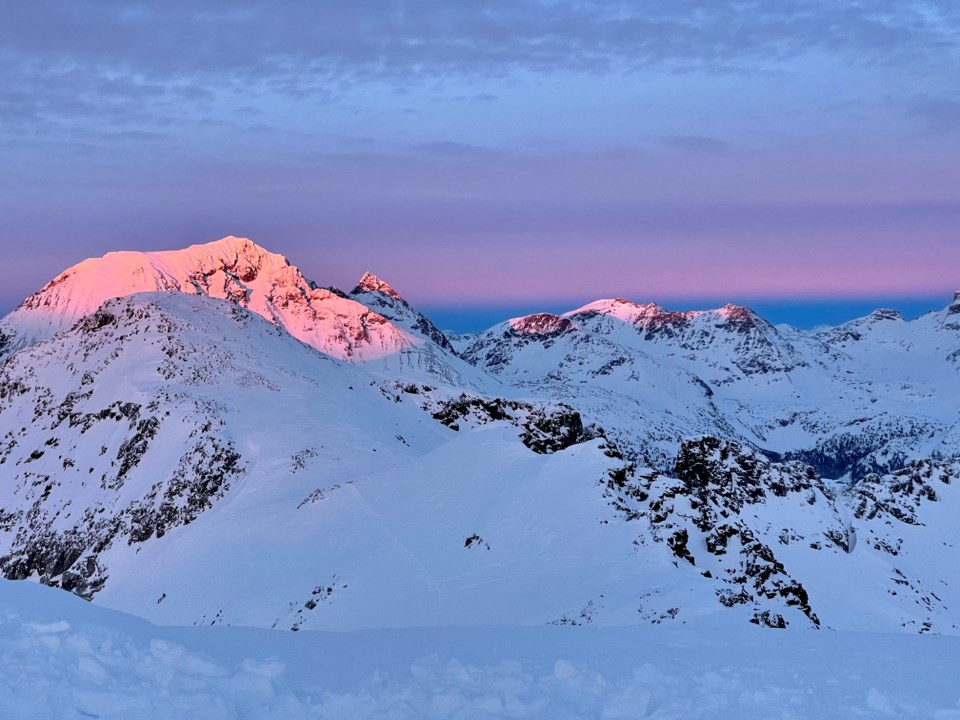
(701, 514)
(542, 326)
(544, 429)
(105, 448)
(375, 293)
(901, 494)
(371, 283)
(710, 468)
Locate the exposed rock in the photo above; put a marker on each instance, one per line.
(544, 429)
(542, 326)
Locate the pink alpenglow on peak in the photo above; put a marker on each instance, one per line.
(651, 314)
(233, 269)
(371, 283)
(631, 313)
(736, 314)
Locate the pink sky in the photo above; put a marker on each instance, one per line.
(495, 153)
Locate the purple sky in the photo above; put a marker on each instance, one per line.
(495, 153)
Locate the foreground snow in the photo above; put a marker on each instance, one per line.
(61, 657)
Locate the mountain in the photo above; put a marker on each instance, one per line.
(245, 274)
(432, 356)
(868, 396)
(205, 437)
(167, 437)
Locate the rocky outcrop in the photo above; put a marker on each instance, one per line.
(900, 495)
(703, 516)
(542, 326)
(545, 429)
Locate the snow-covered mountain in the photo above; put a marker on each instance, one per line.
(206, 437)
(243, 273)
(868, 396)
(167, 437)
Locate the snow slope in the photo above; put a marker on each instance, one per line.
(181, 458)
(60, 657)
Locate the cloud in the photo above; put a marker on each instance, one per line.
(938, 116)
(443, 148)
(68, 57)
(697, 144)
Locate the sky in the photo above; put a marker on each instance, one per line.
(482, 156)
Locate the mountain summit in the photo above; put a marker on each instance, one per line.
(233, 269)
(371, 283)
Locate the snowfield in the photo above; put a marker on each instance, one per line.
(64, 658)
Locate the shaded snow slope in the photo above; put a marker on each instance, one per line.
(169, 448)
(62, 658)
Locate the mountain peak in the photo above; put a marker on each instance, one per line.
(240, 245)
(619, 308)
(232, 268)
(371, 283)
(953, 312)
(231, 241)
(736, 314)
(233, 251)
(885, 314)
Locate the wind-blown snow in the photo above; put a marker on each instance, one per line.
(60, 657)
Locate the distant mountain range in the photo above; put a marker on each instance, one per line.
(206, 436)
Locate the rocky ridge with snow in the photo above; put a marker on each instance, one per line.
(866, 397)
